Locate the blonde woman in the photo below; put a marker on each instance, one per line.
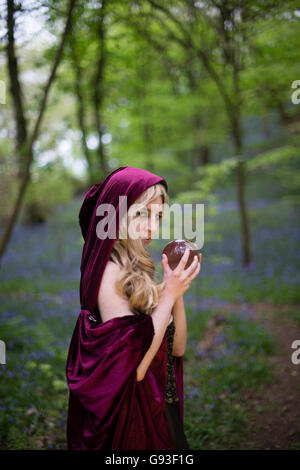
(125, 363)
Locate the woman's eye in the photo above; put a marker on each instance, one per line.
(145, 214)
(141, 214)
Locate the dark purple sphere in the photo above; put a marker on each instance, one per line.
(175, 250)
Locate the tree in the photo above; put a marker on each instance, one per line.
(25, 142)
(217, 31)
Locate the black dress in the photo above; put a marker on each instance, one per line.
(172, 413)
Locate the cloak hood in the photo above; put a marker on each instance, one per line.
(124, 181)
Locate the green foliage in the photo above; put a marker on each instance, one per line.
(209, 178)
(280, 157)
(50, 185)
(160, 106)
(283, 167)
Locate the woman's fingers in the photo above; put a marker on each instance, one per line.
(165, 263)
(192, 267)
(192, 271)
(180, 267)
(196, 272)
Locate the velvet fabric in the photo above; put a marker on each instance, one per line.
(108, 409)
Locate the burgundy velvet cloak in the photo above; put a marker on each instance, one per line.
(108, 409)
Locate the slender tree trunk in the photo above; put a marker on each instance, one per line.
(202, 151)
(15, 89)
(241, 187)
(98, 93)
(81, 116)
(266, 122)
(285, 118)
(230, 54)
(240, 170)
(233, 108)
(29, 150)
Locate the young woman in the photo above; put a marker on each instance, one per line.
(124, 367)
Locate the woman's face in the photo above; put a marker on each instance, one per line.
(148, 219)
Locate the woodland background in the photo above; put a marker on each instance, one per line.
(205, 94)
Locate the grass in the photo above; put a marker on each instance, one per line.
(40, 303)
(215, 412)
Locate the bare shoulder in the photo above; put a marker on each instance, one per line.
(109, 277)
(110, 303)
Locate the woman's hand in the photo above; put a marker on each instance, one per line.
(177, 281)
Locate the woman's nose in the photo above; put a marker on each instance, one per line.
(152, 224)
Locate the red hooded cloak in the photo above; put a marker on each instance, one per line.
(108, 408)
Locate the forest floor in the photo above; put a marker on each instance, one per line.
(275, 410)
(227, 385)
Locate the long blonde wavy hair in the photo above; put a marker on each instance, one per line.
(137, 281)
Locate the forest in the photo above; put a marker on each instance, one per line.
(205, 94)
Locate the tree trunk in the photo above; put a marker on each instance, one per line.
(29, 149)
(285, 118)
(202, 151)
(98, 93)
(15, 89)
(241, 187)
(81, 109)
(266, 123)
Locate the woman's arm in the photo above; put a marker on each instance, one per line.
(111, 305)
(160, 317)
(180, 335)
